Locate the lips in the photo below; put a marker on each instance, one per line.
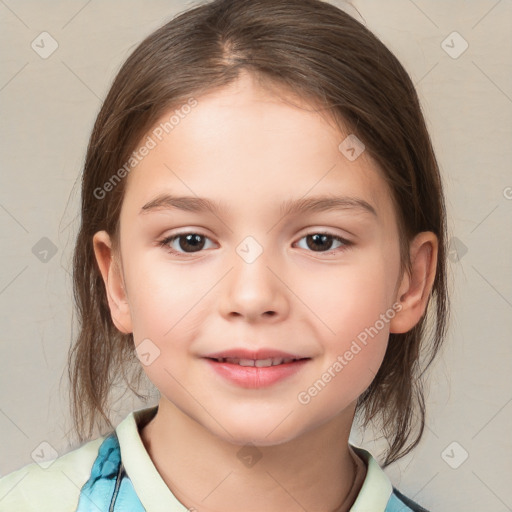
(255, 368)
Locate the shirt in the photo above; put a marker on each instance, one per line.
(115, 473)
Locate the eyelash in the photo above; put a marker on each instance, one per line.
(166, 241)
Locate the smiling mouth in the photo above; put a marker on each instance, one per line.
(258, 363)
(256, 371)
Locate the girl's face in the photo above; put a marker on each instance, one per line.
(257, 271)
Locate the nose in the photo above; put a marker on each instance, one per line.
(255, 291)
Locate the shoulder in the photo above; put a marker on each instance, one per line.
(49, 486)
(400, 503)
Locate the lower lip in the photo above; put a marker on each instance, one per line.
(254, 377)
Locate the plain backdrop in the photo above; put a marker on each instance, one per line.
(48, 106)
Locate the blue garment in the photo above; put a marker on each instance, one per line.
(109, 488)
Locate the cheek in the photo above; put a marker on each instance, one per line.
(355, 314)
(348, 368)
(164, 298)
(348, 299)
(168, 307)
(341, 383)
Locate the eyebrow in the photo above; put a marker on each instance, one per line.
(290, 207)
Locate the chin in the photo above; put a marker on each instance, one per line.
(245, 430)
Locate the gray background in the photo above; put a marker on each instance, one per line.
(48, 108)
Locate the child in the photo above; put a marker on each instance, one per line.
(234, 142)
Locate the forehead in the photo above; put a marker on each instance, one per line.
(249, 144)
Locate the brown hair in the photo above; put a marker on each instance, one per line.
(319, 52)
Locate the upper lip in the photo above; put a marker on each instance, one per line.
(263, 353)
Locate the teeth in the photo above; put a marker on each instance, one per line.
(258, 363)
(246, 362)
(263, 362)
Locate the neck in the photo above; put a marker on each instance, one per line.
(315, 471)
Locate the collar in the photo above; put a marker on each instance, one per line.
(157, 497)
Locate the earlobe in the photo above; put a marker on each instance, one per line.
(415, 287)
(113, 279)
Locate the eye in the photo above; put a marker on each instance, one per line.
(187, 243)
(322, 242)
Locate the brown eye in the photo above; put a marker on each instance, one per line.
(323, 242)
(185, 243)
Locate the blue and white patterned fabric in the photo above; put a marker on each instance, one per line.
(109, 488)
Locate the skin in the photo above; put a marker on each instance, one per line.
(251, 148)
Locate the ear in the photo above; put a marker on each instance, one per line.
(112, 275)
(415, 288)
